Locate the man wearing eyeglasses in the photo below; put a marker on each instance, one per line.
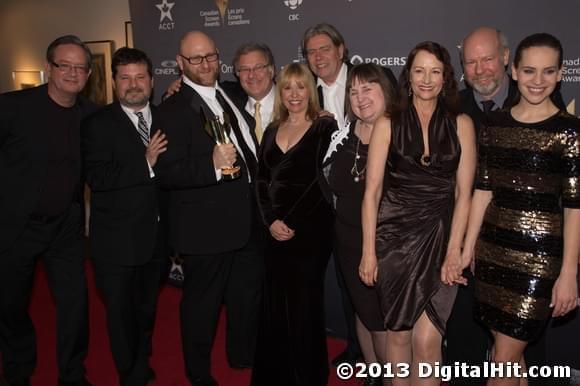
(40, 206)
(255, 70)
(214, 223)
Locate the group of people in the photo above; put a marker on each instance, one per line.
(333, 159)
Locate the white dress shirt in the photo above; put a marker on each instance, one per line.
(266, 104)
(334, 95)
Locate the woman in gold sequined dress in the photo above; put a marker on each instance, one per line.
(525, 208)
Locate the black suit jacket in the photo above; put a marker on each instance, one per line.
(206, 216)
(469, 105)
(23, 156)
(124, 197)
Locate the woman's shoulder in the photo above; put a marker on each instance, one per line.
(325, 121)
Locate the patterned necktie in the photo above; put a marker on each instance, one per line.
(142, 128)
(258, 118)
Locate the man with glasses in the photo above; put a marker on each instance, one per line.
(40, 202)
(255, 69)
(214, 223)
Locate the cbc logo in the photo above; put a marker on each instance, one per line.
(292, 4)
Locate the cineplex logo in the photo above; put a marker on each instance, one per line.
(165, 19)
(168, 67)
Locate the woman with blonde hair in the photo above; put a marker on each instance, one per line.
(291, 349)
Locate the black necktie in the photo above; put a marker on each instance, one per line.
(488, 106)
(249, 157)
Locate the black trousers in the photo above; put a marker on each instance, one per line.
(352, 344)
(59, 240)
(130, 297)
(234, 278)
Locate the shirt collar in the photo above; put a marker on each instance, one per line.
(204, 91)
(499, 97)
(340, 79)
(267, 101)
(132, 112)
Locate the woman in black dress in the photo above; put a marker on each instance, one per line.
(526, 208)
(424, 156)
(370, 96)
(291, 349)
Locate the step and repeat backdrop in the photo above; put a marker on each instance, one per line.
(378, 31)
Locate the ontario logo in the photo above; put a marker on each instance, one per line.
(165, 19)
(292, 4)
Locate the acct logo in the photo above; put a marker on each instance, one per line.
(292, 4)
(382, 61)
(168, 67)
(165, 19)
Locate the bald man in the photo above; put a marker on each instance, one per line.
(214, 223)
(485, 57)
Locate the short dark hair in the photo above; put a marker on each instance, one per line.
(449, 93)
(370, 73)
(254, 47)
(328, 30)
(541, 39)
(126, 55)
(67, 39)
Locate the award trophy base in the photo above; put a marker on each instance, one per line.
(231, 173)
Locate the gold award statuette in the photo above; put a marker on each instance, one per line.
(218, 132)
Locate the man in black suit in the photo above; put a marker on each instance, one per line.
(214, 222)
(40, 206)
(120, 146)
(485, 57)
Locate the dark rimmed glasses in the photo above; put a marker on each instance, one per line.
(68, 68)
(195, 60)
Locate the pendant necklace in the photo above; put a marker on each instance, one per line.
(355, 172)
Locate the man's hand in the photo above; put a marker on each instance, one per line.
(224, 156)
(173, 88)
(157, 145)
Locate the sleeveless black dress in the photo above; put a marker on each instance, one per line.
(414, 221)
(348, 193)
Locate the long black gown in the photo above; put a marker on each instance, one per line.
(533, 171)
(414, 221)
(291, 348)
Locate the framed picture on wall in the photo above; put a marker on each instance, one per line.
(129, 34)
(99, 88)
(27, 79)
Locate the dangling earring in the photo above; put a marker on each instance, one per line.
(410, 91)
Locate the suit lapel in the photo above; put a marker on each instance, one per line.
(129, 129)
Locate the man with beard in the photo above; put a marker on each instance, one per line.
(121, 144)
(215, 225)
(485, 57)
(40, 206)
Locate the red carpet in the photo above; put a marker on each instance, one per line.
(167, 360)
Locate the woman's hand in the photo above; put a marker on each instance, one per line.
(564, 295)
(280, 231)
(367, 270)
(453, 265)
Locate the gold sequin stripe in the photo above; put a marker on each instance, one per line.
(525, 139)
(522, 306)
(529, 263)
(531, 182)
(529, 223)
(571, 189)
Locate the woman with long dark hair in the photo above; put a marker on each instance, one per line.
(525, 216)
(420, 170)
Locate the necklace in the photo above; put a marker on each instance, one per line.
(357, 174)
(425, 160)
